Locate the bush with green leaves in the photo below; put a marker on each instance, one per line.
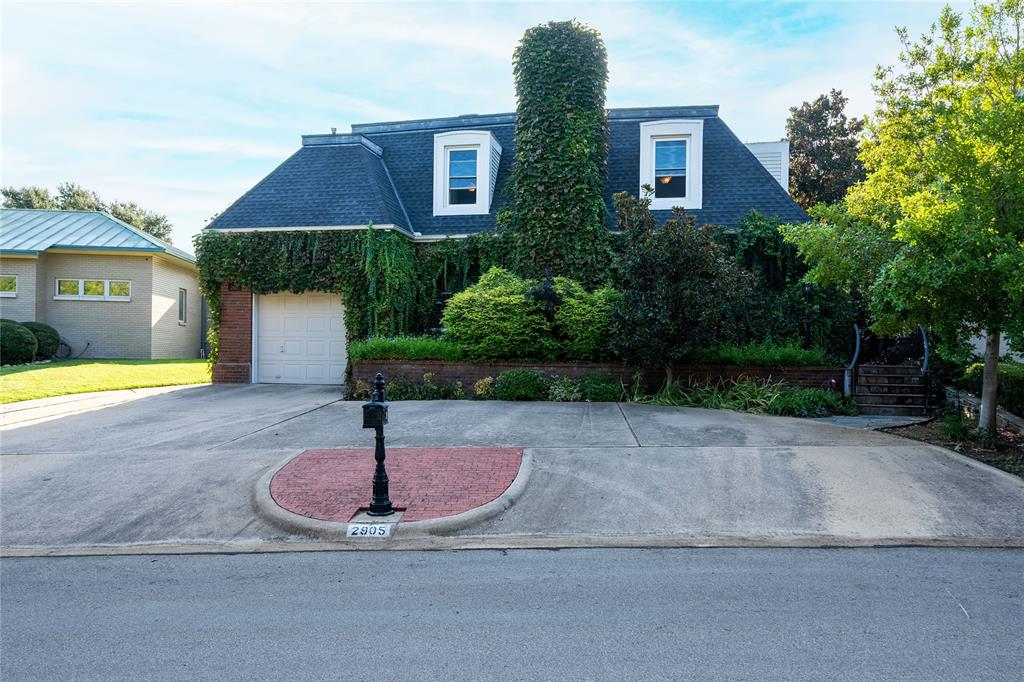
(521, 384)
(47, 338)
(564, 390)
(404, 348)
(1010, 387)
(811, 402)
(495, 318)
(404, 389)
(600, 388)
(758, 396)
(583, 320)
(680, 288)
(17, 344)
(767, 354)
(558, 178)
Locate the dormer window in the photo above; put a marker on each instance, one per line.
(671, 160)
(465, 172)
(461, 176)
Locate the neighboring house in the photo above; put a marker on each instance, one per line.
(774, 156)
(436, 178)
(110, 290)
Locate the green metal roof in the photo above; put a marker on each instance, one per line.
(31, 231)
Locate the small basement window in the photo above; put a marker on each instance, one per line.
(465, 172)
(92, 290)
(8, 286)
(182, 306)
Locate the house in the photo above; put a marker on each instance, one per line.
(447, 177)
(109, 289)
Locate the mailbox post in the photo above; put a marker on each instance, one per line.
(375, 416)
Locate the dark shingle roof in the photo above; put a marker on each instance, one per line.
(340, 180)
(326, 183)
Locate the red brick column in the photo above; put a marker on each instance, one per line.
(234, 361)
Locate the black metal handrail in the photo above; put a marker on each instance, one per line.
(924, 370)
(850, 375)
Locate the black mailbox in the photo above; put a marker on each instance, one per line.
(375, 414)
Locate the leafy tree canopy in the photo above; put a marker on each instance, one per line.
(936, 231)
(823, 161)
(72, 197)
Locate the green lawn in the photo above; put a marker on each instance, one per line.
(61, 377)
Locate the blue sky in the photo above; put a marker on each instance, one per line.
(183, 107)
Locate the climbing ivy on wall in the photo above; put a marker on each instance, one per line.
(387, 283)
(561, 72)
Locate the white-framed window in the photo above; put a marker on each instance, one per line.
(465, 171)
(8, 286)
(67, 289)
(671, 161)
(182, 306)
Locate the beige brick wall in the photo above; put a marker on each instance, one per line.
(170, 338)
(112, 329)
(21, 308)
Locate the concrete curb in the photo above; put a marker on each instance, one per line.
(271, 512)
(521, 542)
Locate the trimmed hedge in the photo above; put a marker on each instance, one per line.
(1010, 392)
(17, 344)
(47, 338)
(584, 320)
(601, 388)
(521, 384)
(404, 348)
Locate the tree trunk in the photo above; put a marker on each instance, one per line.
(989, 384)
(668, 376)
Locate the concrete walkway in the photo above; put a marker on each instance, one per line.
(177, 469)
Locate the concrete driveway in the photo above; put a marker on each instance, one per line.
(177, 467)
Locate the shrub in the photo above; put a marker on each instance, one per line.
(564, 390)
(47, 338)
(404, 348)
(584, 320)
(766, 353)
(521, 384)
(679, 288)
(600, 388)
(811, 402)
(494, 318)
(1010, 389)
(361, 391)
(404, 389)
(484, 389)
(17, 344)
(765, 397)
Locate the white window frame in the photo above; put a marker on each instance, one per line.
(182, 306)
(691, 130)
(10, 294)
(82, 296)
(484, 143)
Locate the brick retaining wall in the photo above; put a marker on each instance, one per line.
(469, 373)
(234, 359)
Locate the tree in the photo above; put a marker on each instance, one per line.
(74, 197)
(823, 161)
(942, 207)
(561, 71)
(133, 214)
(680, 288)
(28, 197)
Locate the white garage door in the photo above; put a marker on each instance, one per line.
(300, 339)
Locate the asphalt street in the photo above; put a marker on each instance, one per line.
(751, 614)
